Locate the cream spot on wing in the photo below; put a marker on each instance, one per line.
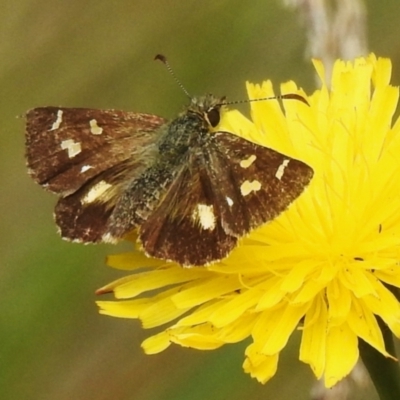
(58, 121)
(247, 187)
(94, 128)
(85, 168)
(73, 148)
(281, 169)
(248, 161)
(108, 238)
(229, 201)
(204, 214)
(95, 192)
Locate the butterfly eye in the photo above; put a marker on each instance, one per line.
(213, 116)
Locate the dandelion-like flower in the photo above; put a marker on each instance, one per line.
(324, 266)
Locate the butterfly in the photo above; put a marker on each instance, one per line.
(190, 191)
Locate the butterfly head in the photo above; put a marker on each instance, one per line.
(208, 107)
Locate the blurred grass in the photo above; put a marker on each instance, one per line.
(54, 344)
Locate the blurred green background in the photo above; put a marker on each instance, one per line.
(99, 54)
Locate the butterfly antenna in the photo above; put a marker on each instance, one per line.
(288, 96)
(164, 60)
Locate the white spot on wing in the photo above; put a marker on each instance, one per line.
(95, 192)
(94, 128)
(85, 168)
(204, 214)
(247, 187)
(73, 148)
(58, 121)
(248, 161)
(229, 201)
(108, 238)
(281, 169)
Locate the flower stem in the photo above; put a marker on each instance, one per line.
(384, 372)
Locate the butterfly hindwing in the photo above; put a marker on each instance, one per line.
(187, 222)
(88, 157)
(219, 195)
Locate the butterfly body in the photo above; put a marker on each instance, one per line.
(190, 190)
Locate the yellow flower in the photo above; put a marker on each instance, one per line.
(323, 266)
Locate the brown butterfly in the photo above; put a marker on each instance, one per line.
(190, 192)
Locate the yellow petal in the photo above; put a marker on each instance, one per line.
(198, 293)
(260, 366)
(342, 353)
(132, 261)
(313, 342)
(157, 343)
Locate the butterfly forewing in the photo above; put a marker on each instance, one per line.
(254, 184)
(67, 147)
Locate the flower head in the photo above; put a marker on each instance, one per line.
(323, 266)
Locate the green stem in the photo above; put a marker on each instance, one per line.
(384, 372)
